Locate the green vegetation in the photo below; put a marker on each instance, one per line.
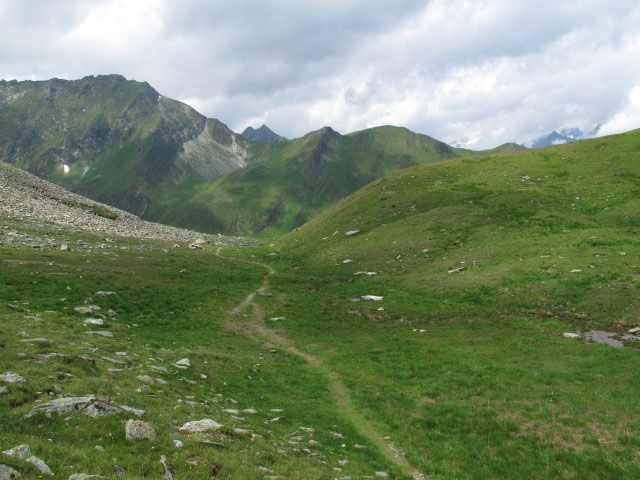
(169, 304)
(467, 371)
(288, 182)
(481, 262)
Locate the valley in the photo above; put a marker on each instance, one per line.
(413, 330)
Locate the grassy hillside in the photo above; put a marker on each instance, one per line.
(458, 371)
(482, 264)
(124, 144)
(169, 303)
(288, 182)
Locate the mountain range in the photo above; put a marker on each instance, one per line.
(120, 142)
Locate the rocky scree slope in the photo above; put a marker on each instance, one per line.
(114, 140)
(24, 196)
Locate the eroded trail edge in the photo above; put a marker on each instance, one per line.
(258, 331)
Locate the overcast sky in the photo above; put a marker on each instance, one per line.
(477, 72)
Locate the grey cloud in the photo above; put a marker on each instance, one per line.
(488, 71)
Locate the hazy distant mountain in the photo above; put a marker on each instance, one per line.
(566, 135)
(263, 134)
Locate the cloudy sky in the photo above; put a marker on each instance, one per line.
(476, 72)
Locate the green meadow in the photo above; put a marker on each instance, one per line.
(459, 371)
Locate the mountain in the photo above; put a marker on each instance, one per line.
(290, 181)
(504, 148)
(263, 134)
(120, 142)
(115, 140)
(566, 135)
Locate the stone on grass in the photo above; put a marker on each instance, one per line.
(352, 232)
(139, 430)
(83, 476)
(166, 473)
(178, 444)
(183, 363)
(375, 298)
(145, 378)
(456, 270)
(135, 411)
(40, 465)
(200, 426)
(10, 377)
(93, 321)
(104, 334)
(570, 335)
(8, 473)
(4, 389)
(90, 406)
(21, 452)
(102, 293)
(87, 309)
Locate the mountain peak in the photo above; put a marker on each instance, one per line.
(263, 134)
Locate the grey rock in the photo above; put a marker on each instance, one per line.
(139, 430)
(352, 232)
(10, 377)
(200, 426)
(135, 411)
(570, 335)
(83, 476)
(21, 452)
(108, 293)
(104, 334)
(184, 363)
(145, 379)
(166, 473)
(89, 405)
(93, 321)
(40, 465)
(8, 473)
(65, 248)
(4, 389)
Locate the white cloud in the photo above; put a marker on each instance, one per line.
(478, 72)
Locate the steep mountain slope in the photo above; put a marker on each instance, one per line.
(263, 134)
(122, 142)
(288, 182)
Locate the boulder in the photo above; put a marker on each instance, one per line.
(139, 430)
(8, 473)
(40, 465)
(93, 321)
(90, 406)
(200, 426)
(10, 377)
(21, 452)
